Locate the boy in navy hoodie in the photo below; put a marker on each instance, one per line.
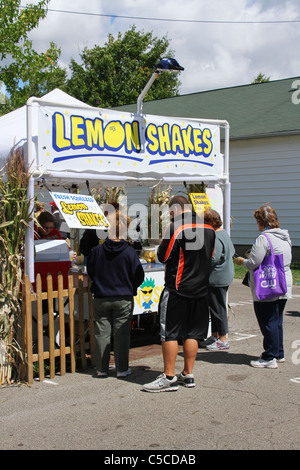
(116, 273)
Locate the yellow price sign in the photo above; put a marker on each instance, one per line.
(200, 202)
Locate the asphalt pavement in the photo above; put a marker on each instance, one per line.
(233, 406)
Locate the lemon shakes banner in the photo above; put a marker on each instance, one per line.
(112, 142)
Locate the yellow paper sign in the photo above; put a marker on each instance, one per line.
(80, 211)
(200, 202)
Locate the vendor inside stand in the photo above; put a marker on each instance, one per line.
(45, 230)
(46, 227)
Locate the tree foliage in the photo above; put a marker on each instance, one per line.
(108, 76)
(33, 74)
(24, 71)
(261, 78)
(16, 23)
(116, 73)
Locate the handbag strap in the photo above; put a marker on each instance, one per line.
(270, 244)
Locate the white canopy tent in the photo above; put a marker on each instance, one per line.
(68, 142)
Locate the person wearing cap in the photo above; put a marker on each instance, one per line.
(55, 213)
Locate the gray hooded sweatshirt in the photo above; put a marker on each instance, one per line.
(281, 243)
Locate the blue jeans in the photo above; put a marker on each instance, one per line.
(270, 319)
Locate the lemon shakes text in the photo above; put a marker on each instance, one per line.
(114, 136)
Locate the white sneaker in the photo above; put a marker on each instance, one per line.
(261, 363)
(125, 373)
(162, 384)
(218, 345)
(101, 374)
(186, 380)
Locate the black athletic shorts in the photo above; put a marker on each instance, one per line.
(182, 318)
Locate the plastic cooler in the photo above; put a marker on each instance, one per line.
(52, 256)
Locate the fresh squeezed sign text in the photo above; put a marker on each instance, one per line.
(80, 211)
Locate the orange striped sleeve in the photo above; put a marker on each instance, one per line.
(178, 231)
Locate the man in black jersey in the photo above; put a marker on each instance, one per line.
(186, 250)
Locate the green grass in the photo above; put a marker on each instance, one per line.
(240, 272)
(295, 267)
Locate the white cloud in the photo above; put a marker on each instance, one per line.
(214, 55)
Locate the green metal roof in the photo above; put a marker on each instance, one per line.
(254, 110)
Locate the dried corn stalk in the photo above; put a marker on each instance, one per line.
(14, 218)
(158, 210)
(110, 194)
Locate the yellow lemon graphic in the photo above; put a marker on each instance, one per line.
(114, 134)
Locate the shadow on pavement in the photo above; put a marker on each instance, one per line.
(224, 357)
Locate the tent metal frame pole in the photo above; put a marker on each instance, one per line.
(227, 184)
(29, 235)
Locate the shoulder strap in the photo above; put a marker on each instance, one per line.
(270, 244)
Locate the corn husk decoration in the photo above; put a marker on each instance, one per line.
(14, 218)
